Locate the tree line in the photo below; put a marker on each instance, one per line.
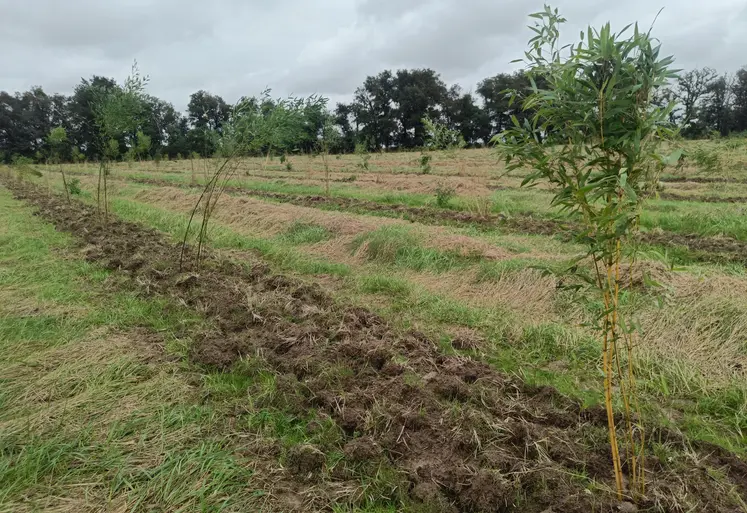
(387, 112)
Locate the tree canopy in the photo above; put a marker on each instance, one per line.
(385, 112)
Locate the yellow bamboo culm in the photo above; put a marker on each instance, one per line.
(608, 358)
(625, 379)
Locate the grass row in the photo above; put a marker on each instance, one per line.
(531, 350)
(682, 217)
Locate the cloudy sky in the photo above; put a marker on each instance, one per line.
(239, 47)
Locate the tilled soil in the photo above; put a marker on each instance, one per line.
(700, 179)
(703, 198)
(465, 437)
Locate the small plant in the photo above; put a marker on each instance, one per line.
(23, 166)
(78, 156)
(57, 140)
(282, 158)
(363, 155)
(288, 165)
(73, 187)
(444, 195)
(705, 159)
(425, 163)
(481, 206)
(438, 136)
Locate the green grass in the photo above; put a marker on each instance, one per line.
(93, 420)
(514, 344)
(400, 246)
(305, 233)
(280, 250)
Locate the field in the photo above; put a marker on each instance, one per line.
(393, 345)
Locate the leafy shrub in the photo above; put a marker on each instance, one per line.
(444, 194)
(425, 163)
(440, 137)
(362, 152)
(73, 187)
(288, 165)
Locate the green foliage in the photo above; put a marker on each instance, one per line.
(77, 155)
(73, 187)
(57, 140)
(20, 161)
(444, 195)
(142, 144)
(425, 163)
(439, 136)
(603, 164)
(305, 233)
(706, 159)
(264, 124)
(363, 155)
(119, 113)
(594, 136)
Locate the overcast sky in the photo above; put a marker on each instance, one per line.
(238, 47)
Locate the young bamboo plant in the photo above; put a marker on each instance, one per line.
(593, 133)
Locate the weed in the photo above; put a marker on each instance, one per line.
(363, 155)
(383, 284)
(481, 206)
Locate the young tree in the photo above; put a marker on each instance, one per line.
(594, 135)
(142, 145)
(438, 136)
(118, 113)
(57, 140)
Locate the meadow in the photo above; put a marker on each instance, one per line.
(384, 336)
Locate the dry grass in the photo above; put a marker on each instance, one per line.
(254, 216)
(702, 327)
(526, 293)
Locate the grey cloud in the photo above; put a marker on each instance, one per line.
(239, 47)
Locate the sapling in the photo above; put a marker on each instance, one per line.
(425, 163)
(594, 134)
(328, 138)
(57, 140)
(118, 113)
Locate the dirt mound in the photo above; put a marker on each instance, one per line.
(465, 437)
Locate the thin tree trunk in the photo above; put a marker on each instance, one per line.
(64, 184)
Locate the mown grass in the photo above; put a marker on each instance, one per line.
(93, 416)
(552, 353)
